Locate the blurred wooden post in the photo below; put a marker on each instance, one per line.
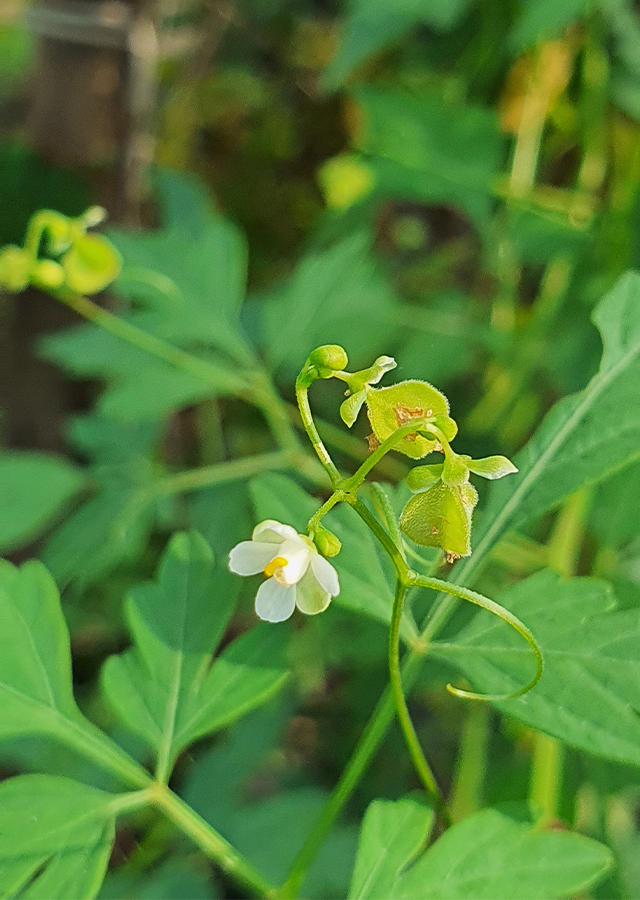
(93, 95)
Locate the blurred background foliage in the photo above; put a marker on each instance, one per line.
(455, 184)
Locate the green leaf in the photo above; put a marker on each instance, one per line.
(585, 437)
(35, 666)
(544, 19)
(55, 838)
(186, 283)
(34, 489)
(164, 689)
(490, 856)
(36, 696)
(364, 587)
(588, 694)
(371, 25)
(421, 148)
(615, 509)
(392, 835)
(325, 298)
(110, 527)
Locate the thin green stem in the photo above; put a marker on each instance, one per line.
(402, 711)
(354, 482)
(491, 606)
(471, 766)
(216, 376)
(302, 396)
(381, 500)
(212, 843)
(398, 560)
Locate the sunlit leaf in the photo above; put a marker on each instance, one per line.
(165, 689)
(325, 298)
(57, 836)
(585, 437)
(588, 693)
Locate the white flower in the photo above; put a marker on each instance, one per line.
(296, 573)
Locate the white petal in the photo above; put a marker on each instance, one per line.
(250, 557)
(298, 556)
(311, 598)
(275, 603)
(326, 574)
(272, 532)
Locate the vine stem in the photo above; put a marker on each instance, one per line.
(252, 385)
(418, 758)
(212, 843)
(302, 396)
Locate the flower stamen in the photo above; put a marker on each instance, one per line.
(277, 563)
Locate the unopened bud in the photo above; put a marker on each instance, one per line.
(326, 542)
(14, 268)
(48, 274)
(328, 359)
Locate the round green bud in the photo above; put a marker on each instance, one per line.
(326, 542)
(328, 359)
(48, 274)
(15, 266)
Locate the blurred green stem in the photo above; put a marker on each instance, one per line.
(548, 754)
(471, 766)
(212, 843)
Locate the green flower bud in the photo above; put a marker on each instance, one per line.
(91, 264)
(47, 274)
(421, 478)
(15, 266)
(326, 542)
(328, 359)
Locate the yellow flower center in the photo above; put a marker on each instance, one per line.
(276, 563)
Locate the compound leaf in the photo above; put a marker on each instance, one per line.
(588, 693)
(165, 688)
(57, 836)
(490, 856)
(585, 437)
(392, 835)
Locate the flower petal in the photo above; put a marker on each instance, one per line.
(272, 532)
(250, 557)
(311, 598)
(325, 574)
(298, 555)
(275, 603)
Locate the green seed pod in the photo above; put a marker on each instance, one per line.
(328, 359)
(326, 542)
(441, 517)
(392, 407)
